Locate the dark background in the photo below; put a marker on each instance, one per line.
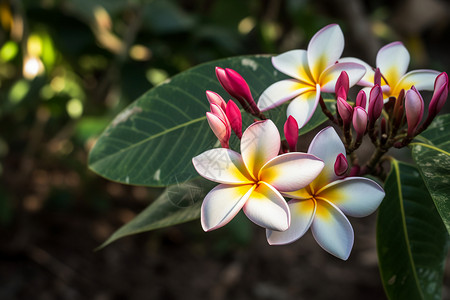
(97, 56)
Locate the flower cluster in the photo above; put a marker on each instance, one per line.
(320, 185)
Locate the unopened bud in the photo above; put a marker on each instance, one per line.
(342, 85)
(220, 127)
(414, 109)
(237, 87)
(345, 110)
(439, 95)
(291, 132)
(399, 109)
(377, 77)
(359, 121)
(340, 165)
(361, 99)
(234, 116)
(375, 103)
(214, 98)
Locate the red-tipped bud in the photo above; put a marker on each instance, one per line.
(220, 127)
(345, 110)
(361, 99)
(214, 98)
(414, 109)
(377, 77)
(341, 165)
(218, 111)
(439, 95)
(236, 86)
(375, 103)
(359, 121)
(291, 132)
(234, 116)
(342, 85)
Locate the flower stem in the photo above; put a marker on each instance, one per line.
(326, 111)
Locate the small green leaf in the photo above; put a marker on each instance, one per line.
(433, 159)
(179, 203)
(152, 142)
(412, 242)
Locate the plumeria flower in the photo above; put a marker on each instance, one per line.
(314, 70)
(253, 181)
(393, 61)
(321, 205)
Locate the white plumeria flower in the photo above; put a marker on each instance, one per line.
(253, 181)
(314, 71)
(393, 61)
(322, 204)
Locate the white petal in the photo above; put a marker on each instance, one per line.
(222, 203)
(355, 196)
(332, 230)
(367, 79)
(260, 143)
(326, 145)
(324, 49)
(393, 61)
(267, 208)
(223, 166)
(291, 171)
(423, 80)
(329, 77)
(280, 92)
(302, 108)
(302, 215)
(295, 64)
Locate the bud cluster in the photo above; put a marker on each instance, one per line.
(393, 122)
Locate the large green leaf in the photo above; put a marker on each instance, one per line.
(179, 203)
(433, 158)
(412, 242)
(153, 140)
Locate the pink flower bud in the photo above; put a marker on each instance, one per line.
(291, 132)
(342, 85)
(341, 165)
(214, 98)
(236, 86)
(218, 111)
(219, 128)
(414, 109)
(345, 110)
(375, 103)
(361, 99)
(359, 121)
(439, 95)
(234, 116)
(219, 124)
(377, 77)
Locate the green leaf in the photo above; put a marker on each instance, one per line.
(179, 203)
(433, 159)
(412, 242)
(152, 141)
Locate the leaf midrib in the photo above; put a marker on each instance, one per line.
(405, 229)
(179, 126)
(431, 147)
